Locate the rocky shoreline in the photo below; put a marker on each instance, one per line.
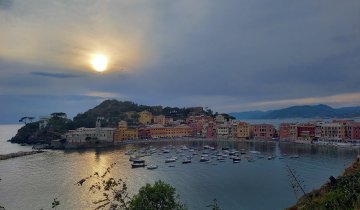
(19, 154)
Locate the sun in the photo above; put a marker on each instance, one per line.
(99, 62)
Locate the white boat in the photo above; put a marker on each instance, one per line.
(170, 160)
(151, 167)
(204, 159)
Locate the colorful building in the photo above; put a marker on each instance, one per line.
(158, 131)
(306, 132)
(123, 133)
(160, 119)
(223, 131)
(333, 131)
(243, 130)
(264, 131)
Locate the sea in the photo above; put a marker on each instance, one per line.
(33, 182)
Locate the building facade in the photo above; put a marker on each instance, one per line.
(264, 131)
(123, 133)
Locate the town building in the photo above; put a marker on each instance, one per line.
(284, 131)
(209, 130)
(123, 133)
(160, 119)
(156, 131)
(91, 135)
(306, 132)
(264, 131)
(243, 130)
(353, 131)
(333, 131)
(223, 131)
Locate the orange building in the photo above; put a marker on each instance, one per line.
(159, 131)
(122, 132)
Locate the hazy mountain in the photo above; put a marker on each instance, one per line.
(306, 111)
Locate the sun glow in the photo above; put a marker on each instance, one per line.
(99, 62)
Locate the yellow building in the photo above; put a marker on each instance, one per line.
(145, 117)
(243, 130)
(124, 133)
(159, 119)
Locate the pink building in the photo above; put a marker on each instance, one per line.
(210, 130)
(197, 124)
(284, 131)
(264, 131)
(354, 131)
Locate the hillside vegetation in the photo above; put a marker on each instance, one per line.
(112, 111)
(339, 193)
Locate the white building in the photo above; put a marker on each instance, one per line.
(223, 131)
(85, 135)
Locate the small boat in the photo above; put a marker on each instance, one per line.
(294, 156)
(204, 159)
(138, 163)
(166, 151)
(171, 166)
(236, 159)
(170, 160)
(151, 167)
(207, 147)
(225, 148)
(185, 161)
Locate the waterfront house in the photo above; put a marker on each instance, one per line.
(123, 132)
(264, 131)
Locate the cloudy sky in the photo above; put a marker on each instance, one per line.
(233, 55)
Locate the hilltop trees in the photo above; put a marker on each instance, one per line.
(26, 119)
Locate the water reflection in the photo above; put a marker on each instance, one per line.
(237, 186)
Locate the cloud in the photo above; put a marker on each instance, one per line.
(231, 56)
(104, 95)
(56, 75)
(6, 4)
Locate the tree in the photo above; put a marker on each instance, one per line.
(214, 205)
(25, 119)
(160, 196)
(59, 114)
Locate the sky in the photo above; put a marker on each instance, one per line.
(234, 55)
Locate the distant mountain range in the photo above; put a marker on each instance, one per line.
(306, 111)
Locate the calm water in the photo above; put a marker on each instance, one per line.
(31, 182)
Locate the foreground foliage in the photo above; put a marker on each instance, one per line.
(114, 194)
(160, 196)
(340, 193)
